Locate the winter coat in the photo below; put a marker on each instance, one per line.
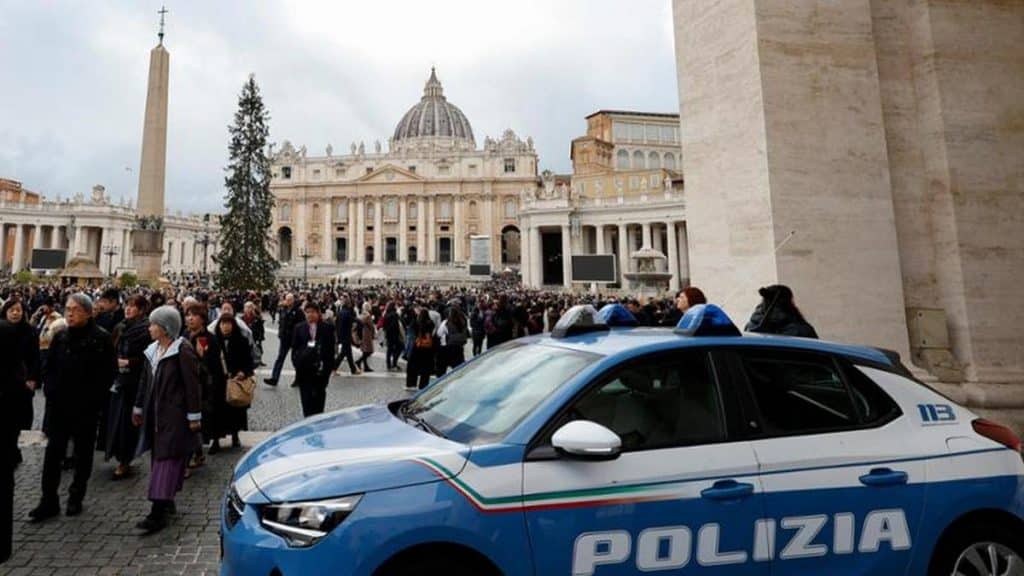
(131, 338)
(780, 320)
(344, 325)
(237, 354)
(12, 381)
(367, 333)
(312, 362)
(25, 364)
(169, 398)
(287, 322)
(80, 368)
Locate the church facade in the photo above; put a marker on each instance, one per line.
(408, 212)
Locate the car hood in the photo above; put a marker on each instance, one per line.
(351, 451)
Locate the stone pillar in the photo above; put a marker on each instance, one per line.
(403, 230)
(524, 256)
(55, 237)
(673, 255)
(536, 257)
(327, 255)
(421, 229)
(78, 244)
(360, 225)
(431, 230)
(458, 240)
(351, 231)
(684, 256)
(18, 261)
(378, 231)
(599, 239)
(646, 241)
(623, 255)
(3, 245)
(566, 256)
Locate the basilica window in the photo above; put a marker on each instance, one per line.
(670, 161)
(652, 133)
(339, 172)
(622, 160)
(510, 165)
(653, 160)
(472, 169)
(341, 211)
(667, 134)
(444, 209)
(638, 160)
(636, 132)
(444, 170)
(391, 210)
(474, 212)
(510, 208)
(634, 182)
(369, 211)
(414, 210)
(316, 212)
(286, 172)
(412, 169)
(620, 131)
(316, 174)
(286, 211)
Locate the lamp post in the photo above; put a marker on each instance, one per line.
(110, 251)
(305, 255)
(205, 240)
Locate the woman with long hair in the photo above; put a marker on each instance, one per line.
(394, 336)
(231, 357)
(26, 358)
(131, 338)
(421, 358)
(453, 335)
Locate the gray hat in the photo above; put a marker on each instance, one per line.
(168, 319)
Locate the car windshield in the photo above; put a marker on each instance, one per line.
(486, 398)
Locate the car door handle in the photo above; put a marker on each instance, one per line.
(727, 490)
(884, 477)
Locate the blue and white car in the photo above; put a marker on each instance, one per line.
(602, 451)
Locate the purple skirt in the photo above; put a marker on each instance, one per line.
(166, 477)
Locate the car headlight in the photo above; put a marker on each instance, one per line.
(303, 524)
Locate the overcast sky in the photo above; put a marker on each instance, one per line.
(74, 78)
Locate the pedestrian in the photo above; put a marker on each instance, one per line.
(131, 338)
(253, 317)
(168, 410)
(12, 387)
(108, 310)
(421, 359)
(79, 372)
(26, 354)
(777, 314)
(312, 356)
(343, 329)
(476, 323)
(366, 333)
(209, 361)
(452, 337)
(229, 357)
(394, 336)
(290, 316)
(47, 322)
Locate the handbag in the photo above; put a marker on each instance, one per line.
(239, 391)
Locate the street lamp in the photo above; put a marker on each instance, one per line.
(110, 251)
(305, 255)
(205, 240)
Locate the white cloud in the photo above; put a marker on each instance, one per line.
(331, 72)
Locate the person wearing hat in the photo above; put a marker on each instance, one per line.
(168, 408)
(79, 370)
(313, 358)
(778, 314)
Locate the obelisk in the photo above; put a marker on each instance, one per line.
(147, 238)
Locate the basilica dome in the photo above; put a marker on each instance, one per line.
(434, 117)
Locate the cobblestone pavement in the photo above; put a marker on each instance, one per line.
(103, 540)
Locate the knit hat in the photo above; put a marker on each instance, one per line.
(168, 319)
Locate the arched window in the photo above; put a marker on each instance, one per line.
(474, 212)
(622, 160)
(286, 211)
(444, 209)
(670, 161)
(316, 212)
(638, 160)
(412, 254)
(391, 209)
(341, 210)
(414, 209)
(369, 211)
(510, 208)
(653, 161)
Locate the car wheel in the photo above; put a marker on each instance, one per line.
(980, 550)
(454, 565)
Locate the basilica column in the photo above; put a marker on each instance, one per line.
(623, 254)
(18, 261)
(350, 232)
(431, 231)
(684, 254)
(327, 253)
(566, 256)
(403, 230)
(524, 255)
(378, 231)
(78, 247)
(360, 246)
(54, 237)
(646, 230)
(458, 241)
(536, 256)
(421, 230)
(673, 256)
(599, 239)
(3, 245)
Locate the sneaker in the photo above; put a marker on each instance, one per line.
(270, 382)
(43, 512)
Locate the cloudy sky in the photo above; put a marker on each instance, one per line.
(74, 78)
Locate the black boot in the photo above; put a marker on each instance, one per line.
(157, 518)
(47, 509)
(214, 447)
(74, 507)
(235, 441)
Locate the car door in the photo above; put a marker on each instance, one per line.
(681, 496)
(844, 484)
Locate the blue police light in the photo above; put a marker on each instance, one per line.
(578, 320)
(616, 315)
(706, 320)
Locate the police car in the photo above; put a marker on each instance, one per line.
(612, 450)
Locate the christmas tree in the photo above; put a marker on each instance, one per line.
(244, 258)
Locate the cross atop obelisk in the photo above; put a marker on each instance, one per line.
(160, 34)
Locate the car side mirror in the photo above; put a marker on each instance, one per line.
(586, 440)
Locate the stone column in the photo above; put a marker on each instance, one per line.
(360, 226)
(566, 256)
(350, 228)
(327, 255)
(536, 257)
(55, 237)
(78, 246)
(673, 255)
(378, 231)
(18, 261)
(421, 229)
(524, 255)
(646, 241)
(458, 240)
(623, 255)
(684, 255)
(599, 239)
(3, 245)
(431, 230)
(403, 230)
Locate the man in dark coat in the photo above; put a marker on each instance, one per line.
(81, 367)
(10, 388)
(346, 317)
(313, 357)
(110, 313)
(290, 317)
(777, 314)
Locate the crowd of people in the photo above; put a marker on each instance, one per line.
(125, 372)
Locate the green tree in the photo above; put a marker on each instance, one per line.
(244, 259)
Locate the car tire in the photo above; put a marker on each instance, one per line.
(454, 565)
(972, 549)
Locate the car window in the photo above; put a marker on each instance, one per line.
(874, 405)
(484, 399)
(671, 401)
(797, 392)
